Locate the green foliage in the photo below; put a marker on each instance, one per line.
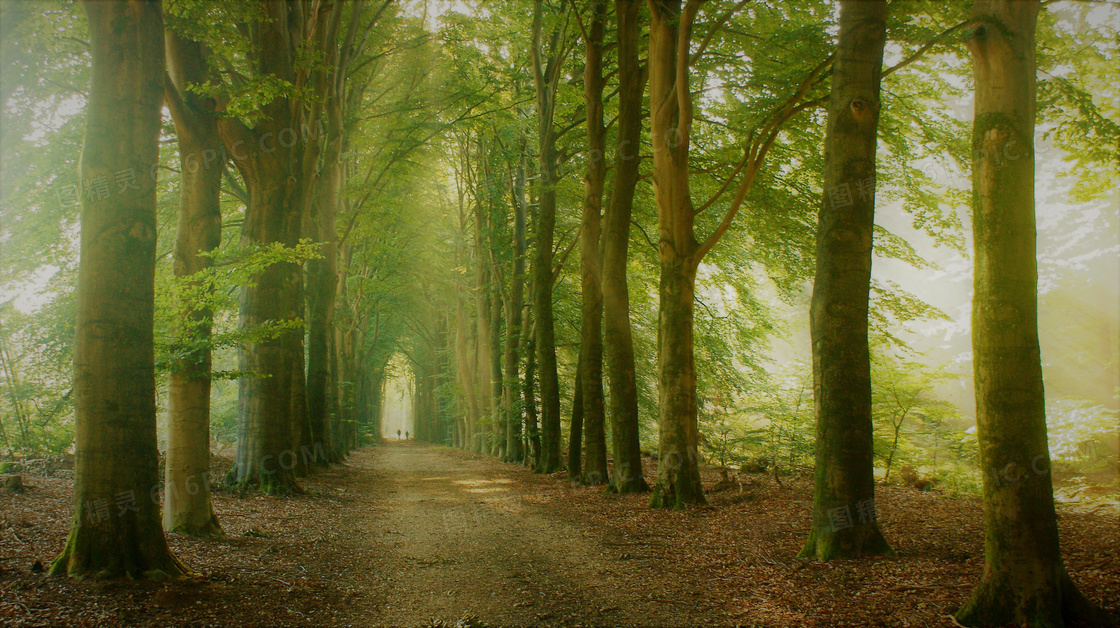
(1081, 435)
(779, 419)
(36, 406)
(182, 338)
(910, 420)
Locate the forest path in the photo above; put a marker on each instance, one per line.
(405, 534)
(462, 538)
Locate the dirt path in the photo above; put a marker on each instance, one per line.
(462, 539)
(413, 535)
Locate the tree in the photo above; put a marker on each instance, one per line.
(844, 477)
(115, 529)
(188, 508)
(320, 217)
(515, 452)
(547, 72)
(679, 251)
(277, 168)
(618, 342)
(591, 331)
(903, 390)
(1025, 580)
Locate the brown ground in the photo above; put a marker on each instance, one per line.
(412, 535)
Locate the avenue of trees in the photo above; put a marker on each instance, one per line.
(585, 231)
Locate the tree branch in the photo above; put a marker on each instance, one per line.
(715, 29)
(920, 52)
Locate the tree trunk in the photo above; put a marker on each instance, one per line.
(272, 162)
(514, 450)
(678, 470)
(678, 473)
(464, 362)
(322, 277)
(482, 321)
(894, 448)
(341, 351)
(544, 81)
(575, 436)
(498, 430)
(618, 344)
(532, 425)
(187, 506)
(591, 335)
(115, 530)
(545, 334)
(1025, 581)
(321, 280)
(844, 523)
(265, 397)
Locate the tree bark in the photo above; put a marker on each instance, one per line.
(464, 363)
(532, 425)
(514, 450)
(545, 77)
(678, 472)
(187, 506)
(591, 335)
(272, 413)
(1025, 581)
(322, 277)
(618, 343)
(575, 434)
(498, 429)
(483, 318)
(115, 530)
(844, 523)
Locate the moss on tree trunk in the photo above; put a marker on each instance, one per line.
(1024, 581)
(618, 342)
(594, 469)
(187, 506)
(116, 529)
(515, 451)
(844, 517)
(678, 473)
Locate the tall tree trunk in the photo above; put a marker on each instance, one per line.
(340, 350)
(545, 77)
(844, 523)
(575, 436)
(545, 335)
(1025, 581)
(591, 335)
(514, 450)
(321, 293)
(115, 529)
(322, 279)
(464, 366)
(272, 161)
(532, 425)
(678, 473)
(483, 278)
(498, 430)
(265, 398)
(187, 506)
(671, 114)
(618, 344)
(322, 81)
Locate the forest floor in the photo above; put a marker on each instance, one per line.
(414, 535)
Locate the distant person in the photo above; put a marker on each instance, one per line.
(406, 434)
(398, 434)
